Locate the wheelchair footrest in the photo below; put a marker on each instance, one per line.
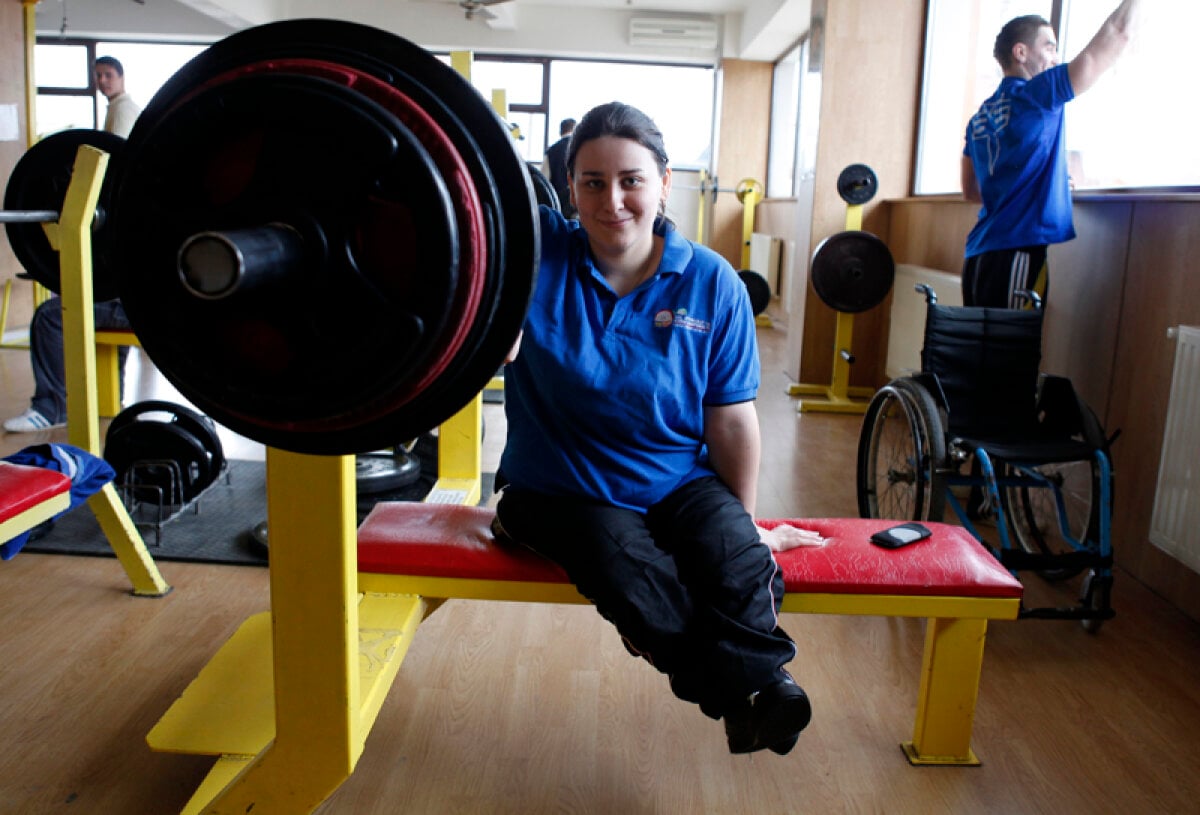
(1028, 561)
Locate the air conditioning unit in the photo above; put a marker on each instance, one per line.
(672, 32)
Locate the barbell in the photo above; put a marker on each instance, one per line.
(323, 236)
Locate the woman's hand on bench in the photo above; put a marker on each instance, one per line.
(785, 537)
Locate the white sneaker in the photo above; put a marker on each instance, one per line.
(30, 422)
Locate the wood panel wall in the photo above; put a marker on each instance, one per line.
(742, 152)
(1128, 276)
(12, 92)
(869, 91)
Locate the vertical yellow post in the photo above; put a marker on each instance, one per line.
(854, 216)
(950, 673)
(314, 610)
(460, 462)
(843, 334)
(461, 62)
(749, 192)
(79, 330)
(700, 208)
(74, 240)
(29, 16)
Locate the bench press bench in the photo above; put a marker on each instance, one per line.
(29, 496)
(440, 552)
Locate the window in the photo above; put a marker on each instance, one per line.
(1136, 127)
(785, 122)
(148, 65)
(1118, 133)
(67, 96)
(679, 98)
(960, 72)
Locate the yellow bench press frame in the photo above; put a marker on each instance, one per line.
(288, 701)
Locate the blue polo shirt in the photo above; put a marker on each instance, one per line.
(1016, 145)
(606, 397)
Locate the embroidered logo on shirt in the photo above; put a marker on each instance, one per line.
(680, 319)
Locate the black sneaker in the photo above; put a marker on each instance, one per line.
(769, 720)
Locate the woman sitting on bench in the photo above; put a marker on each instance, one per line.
(633, 442)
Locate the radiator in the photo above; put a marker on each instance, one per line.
(766, 254)
(1175, 523)
(907, 331)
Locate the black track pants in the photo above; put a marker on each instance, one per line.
(689, 585)
(993, 279)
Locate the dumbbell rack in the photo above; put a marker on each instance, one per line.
(72, 237)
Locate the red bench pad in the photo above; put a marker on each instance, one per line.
(23, 487)
(442, 540)
(950, 563)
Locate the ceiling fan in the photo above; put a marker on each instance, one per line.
(479, 8)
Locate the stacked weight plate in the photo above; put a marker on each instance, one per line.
(324, 236)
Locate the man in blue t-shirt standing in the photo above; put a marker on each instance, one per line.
(1014, 162)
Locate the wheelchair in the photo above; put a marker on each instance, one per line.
(980, 417)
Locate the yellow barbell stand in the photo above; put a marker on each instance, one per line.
(838, 396)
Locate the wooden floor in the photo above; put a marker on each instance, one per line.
(514, 708)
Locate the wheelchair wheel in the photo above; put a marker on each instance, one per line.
(1033, 512)
(900, 452)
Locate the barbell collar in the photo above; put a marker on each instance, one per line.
(215, 265)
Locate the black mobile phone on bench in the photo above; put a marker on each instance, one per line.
(901, 535)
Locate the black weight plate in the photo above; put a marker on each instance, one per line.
(197, 425)
(39, 182)
(321, 348)
(758, 288)
(485, 146)
(152, 443)
(468, 119)
(857, 184)
(852, 271)
(472, 246)
(543, 190)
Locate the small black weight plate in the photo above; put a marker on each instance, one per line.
(323, 345)
(852, 271)
(162, 455)
(543, 190)
(383, 472)
(758, 288)
(857, 184)
(39, 182)
(199, 426)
